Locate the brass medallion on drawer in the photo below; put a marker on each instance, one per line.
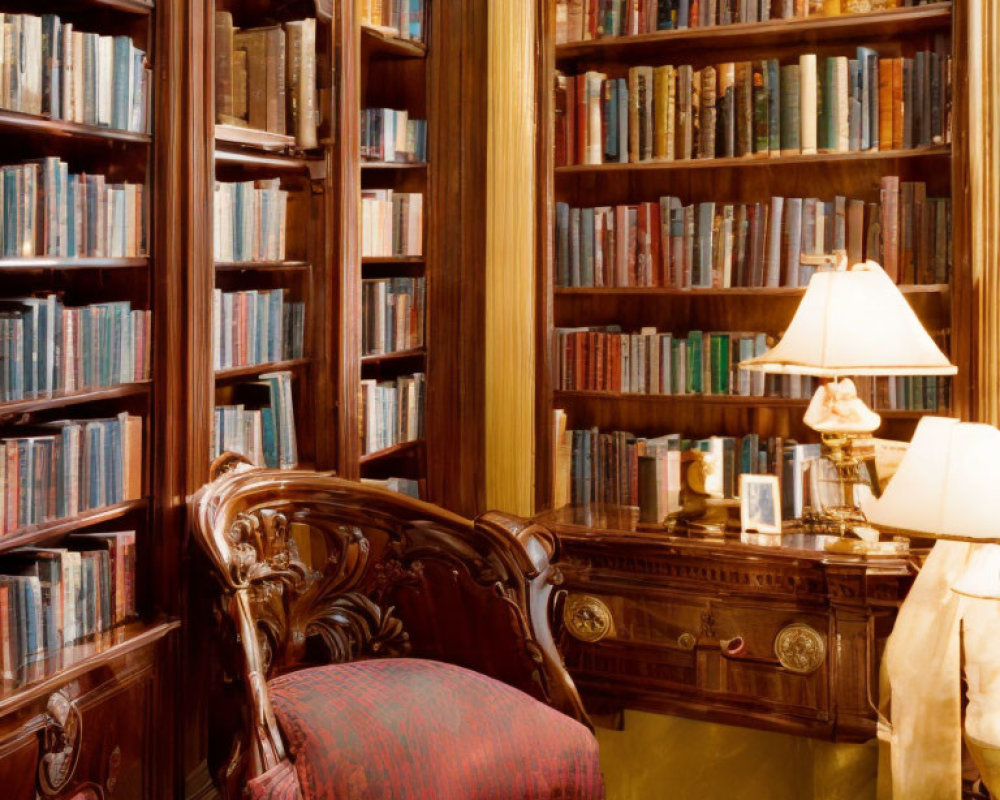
(800, 648)
(587, 618)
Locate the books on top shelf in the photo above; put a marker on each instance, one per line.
(392, 412)
(265, 78)
(47, 349)
(251, 218)
(406, 486)
(391, 136)
(755, 108)
(52, 70)
(723, 245)
(583, 20)
(605, 359)
(54, 597)
(909, 393)
(392, 223)
(402, 18)
(256, 327)
(48, 212)
(620, 468)
(62, 469)
(262, 427)
(393, 315)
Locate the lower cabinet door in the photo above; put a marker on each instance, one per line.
(86, 740)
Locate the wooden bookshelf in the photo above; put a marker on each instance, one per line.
(122, 677)
(884, 24)
(394, 73)
(894, 32)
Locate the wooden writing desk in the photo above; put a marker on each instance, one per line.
(785, 638)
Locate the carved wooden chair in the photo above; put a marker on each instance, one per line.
(380, 647)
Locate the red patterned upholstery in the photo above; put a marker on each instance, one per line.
(407, 729)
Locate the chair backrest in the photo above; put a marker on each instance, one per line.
(315, 569)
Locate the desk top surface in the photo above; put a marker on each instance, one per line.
(609, 525)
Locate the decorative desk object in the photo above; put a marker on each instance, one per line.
(944, 489)
(770, 632)
(850, 322)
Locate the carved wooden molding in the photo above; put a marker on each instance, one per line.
(61, 744)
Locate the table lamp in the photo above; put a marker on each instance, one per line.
(850, 322)
(944, 489)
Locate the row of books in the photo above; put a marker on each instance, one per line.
(393, 314)
(392, 412)
(583, 20)
(909, 393)
(755, 108)
(392, 223)
(620, 468)
(256, 327)
(263, 427)
(50, 69)
(65, 468)
(47, 349)
(404, 486)
(390, 135)
(604, 359)
(722, 245)
(53, 597)
(250, 220)
(48, 212)
(402, 18)
(265, 78)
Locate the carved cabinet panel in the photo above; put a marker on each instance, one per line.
(778, 638)
(90, 738)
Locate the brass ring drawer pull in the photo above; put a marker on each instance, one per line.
(587, 618)
(800, 648)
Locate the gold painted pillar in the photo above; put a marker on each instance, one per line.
(983, 148)
(510, 238)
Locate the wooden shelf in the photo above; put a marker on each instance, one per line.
(49, 531)
(734, 291)
(262, 266)
(43, 262)
(237, 136)
(131, 6)
(681, 399)
(931, 152)
(385, 43)
(868, 26)
(236, 373)
(83, 657)
(78, 398)
(35, 125)
(392, 260)
(398, 355)
(243, 157)
(397, 450)
(393, 165)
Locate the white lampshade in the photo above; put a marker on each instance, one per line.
(853, 322)
(946, 483)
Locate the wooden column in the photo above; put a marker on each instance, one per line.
(510, 265)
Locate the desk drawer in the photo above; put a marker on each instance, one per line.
(733, 652)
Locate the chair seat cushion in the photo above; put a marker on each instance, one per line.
(409, 729)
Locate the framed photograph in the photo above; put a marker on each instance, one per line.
(760, 504)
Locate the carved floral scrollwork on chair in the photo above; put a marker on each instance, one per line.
(318, 570)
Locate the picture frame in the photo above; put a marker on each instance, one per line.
(760, 504)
